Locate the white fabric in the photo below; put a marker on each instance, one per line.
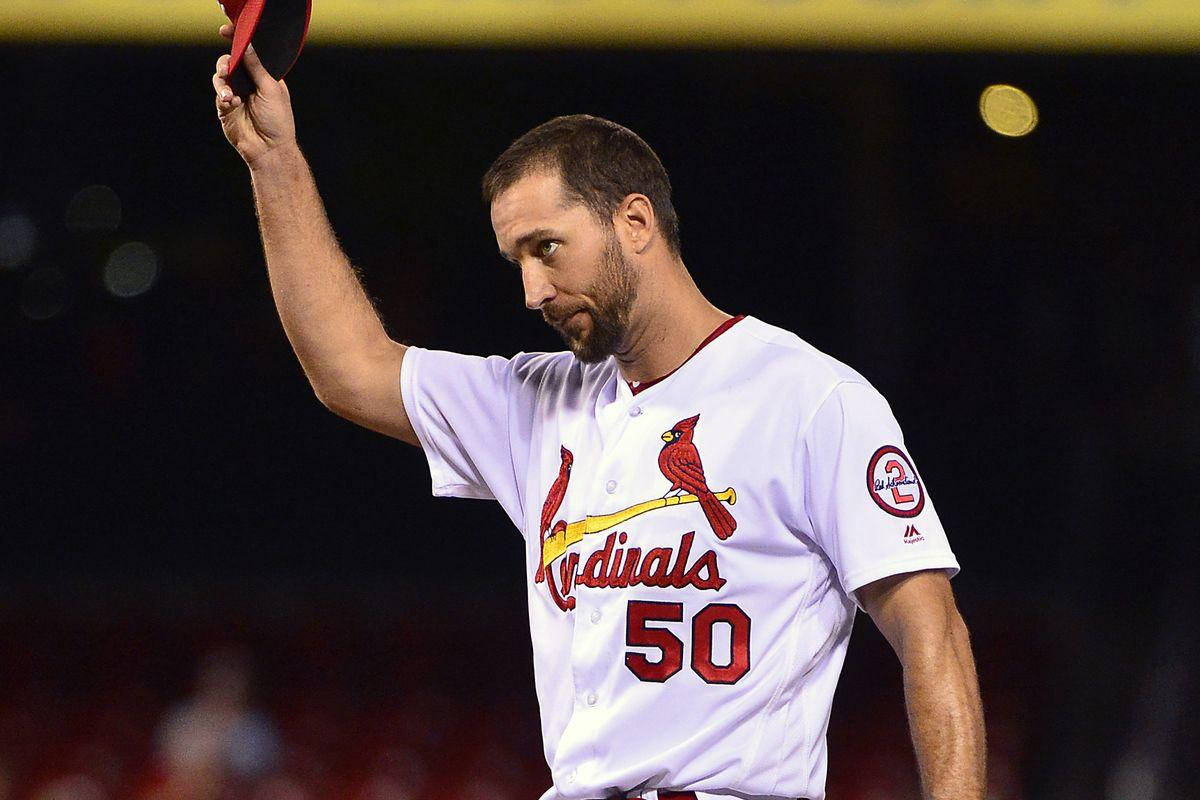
(794, 433)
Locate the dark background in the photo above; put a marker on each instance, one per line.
(169, 483)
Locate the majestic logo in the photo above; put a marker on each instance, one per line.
(619, 567)
(912, 535)
(893, 483)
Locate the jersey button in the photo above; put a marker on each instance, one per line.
(591, 698)
(595, 616)
(636, 411)
(571, 777)
(610, 487)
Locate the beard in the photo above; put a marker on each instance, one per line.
(614, 292)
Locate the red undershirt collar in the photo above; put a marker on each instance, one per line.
(724, 326)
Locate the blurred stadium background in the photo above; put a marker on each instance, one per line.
(211, 588)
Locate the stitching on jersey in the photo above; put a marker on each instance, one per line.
(824, 399)
(818, 658)
(790, 341)
(416, 417)
(804, 430)
(798, 701)
(942, 559)
(509, 403)
(509, 411)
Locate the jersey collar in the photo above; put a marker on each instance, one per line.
(634, 388)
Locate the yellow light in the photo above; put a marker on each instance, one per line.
(1007, 110)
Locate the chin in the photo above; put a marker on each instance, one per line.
(587, 341)
(588, 357)
(576, 334)
(586, 349)
(579, 343)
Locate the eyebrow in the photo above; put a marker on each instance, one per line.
(524, 239)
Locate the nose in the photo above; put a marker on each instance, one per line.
(538, 289)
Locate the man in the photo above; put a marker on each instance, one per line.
(704, 498)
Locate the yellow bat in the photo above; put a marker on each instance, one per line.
(574, 532)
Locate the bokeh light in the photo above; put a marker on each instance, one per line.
(94, 208)
(46, 294)
(18, 237)
(1008, 110)
(131, 270)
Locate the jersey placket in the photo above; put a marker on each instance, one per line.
(597, 636)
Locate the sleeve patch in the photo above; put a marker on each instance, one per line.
(893, 483)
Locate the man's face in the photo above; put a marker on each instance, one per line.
(572, 266)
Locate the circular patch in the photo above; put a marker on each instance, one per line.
(893, 483)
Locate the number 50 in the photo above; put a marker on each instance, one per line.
(638, 634)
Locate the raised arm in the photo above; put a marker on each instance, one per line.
(352, 364)
(917, 614)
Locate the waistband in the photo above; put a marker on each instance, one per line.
(669, 794)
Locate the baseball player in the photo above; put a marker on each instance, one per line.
(705, 499)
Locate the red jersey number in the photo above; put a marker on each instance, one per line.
(667, 643)
(670, 646)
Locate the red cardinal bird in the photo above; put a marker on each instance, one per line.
(680, 462)
(554, 499)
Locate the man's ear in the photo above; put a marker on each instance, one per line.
(635, 223)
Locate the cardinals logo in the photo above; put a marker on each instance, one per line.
(558, 490)
(680, 463)
(616, 565)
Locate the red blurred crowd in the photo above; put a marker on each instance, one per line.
(119, 706)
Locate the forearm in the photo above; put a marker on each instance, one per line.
(945, 716)
(326, 314)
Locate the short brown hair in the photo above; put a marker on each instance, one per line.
(600, 163)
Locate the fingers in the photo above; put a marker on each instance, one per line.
(220, 79)
(258, 73)
(250, 62)
(226, 99)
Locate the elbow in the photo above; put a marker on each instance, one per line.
(338, 386)
(336, 399)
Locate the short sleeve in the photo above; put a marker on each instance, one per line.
(464, 410)
(866, 503)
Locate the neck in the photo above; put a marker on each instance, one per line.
(668, 321)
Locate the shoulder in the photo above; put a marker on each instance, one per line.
(811, 375)
(831, 398)
(539, 373)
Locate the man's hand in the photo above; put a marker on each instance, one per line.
(916, 614)
(260, 124)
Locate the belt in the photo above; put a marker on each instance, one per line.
(664, 794)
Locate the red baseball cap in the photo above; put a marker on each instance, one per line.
(277, 29)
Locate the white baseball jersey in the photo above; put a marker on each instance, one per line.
(693, 546)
